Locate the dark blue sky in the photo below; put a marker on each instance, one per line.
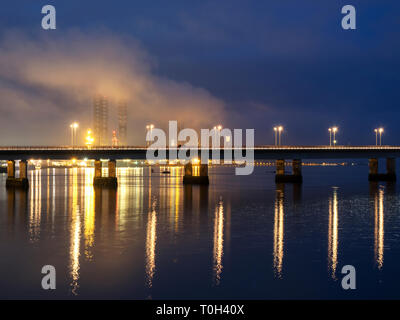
(271, 62)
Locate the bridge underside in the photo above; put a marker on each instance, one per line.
(296, 175)
(17, 182)
(110, 181)
(199, 174)
(390, 174)
(191, 178)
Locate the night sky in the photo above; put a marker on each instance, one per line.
(244, 64)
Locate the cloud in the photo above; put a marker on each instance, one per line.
(49, 80)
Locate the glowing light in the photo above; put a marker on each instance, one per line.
(380, 131)
(333, 130)
(89, 139)
(278, 131)
(74, 125)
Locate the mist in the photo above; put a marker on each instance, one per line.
(49, 81)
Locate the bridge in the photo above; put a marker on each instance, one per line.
(278, 153)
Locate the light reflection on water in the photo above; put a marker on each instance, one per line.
(218, 250)
(279, 230)
(156, 236)
(333, 233)
(379, 231)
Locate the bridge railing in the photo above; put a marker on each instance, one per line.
(265, 147)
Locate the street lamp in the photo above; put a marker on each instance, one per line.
(217, 130)
(380, 135)
(376, 136)
(150, 128)
(74, 126)
(332, 130)
(280, 130)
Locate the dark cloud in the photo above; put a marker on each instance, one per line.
(260, 62)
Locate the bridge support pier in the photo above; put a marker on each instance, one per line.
(296, 175)
(390, 174)
(110, 181)
(14, 182)
(189, 178)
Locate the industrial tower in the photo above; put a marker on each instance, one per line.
(122, 122)
(100, 119)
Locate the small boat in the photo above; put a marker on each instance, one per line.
(166, 172)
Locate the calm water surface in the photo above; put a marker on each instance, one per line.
(241, 237)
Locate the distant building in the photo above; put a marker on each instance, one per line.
(100, 120)
(122, 122)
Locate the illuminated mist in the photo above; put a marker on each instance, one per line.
(48, 81)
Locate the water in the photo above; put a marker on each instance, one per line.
(241, 237)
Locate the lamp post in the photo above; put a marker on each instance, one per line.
(275, 133)
(280, 130)
(218, 129)
(380, 135)
(376, 136)
(150, 128)
(332, 130)
(74, 126)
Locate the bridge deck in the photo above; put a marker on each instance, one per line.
(260, 152)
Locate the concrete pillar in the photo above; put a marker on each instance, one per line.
(97, 169)
(373, 166)
(189, 178)
(23, 169)
(296, 166)
(107, 182)
(12, 181)
(112, 168)
(390, 175)
(11, 169)
(204, 170)
(280, 167)
(391, 166)
(281, 177)
(188, 169)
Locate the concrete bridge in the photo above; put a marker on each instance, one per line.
(279, 153)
